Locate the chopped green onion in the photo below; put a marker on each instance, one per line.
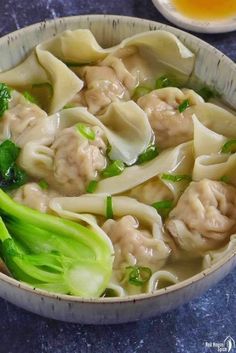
(69, 105)
(115, 168)
(184, 105)
(138, 276)
(162, 82)
(30, 98)
(165, 81)
(175, 177)
(141, 91)
(5, 95)
(43, 184)
(150, 153)
(92, 186)
(229, 147)
(109, 207)
(85, 131)
(207, 93)
(225, 179)
(163, 207)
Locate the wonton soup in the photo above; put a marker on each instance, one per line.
(117, 177)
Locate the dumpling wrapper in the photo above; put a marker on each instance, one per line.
(215, 166)
(216, 119)
(205, 140)
(125, 125)
(44, 64)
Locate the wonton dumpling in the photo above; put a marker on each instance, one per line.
(169, 125)
(102, 88)
(132, 244)
(78, 160)
(204, 217)
(33, 196)
(20, 116)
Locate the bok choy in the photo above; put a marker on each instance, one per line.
(53, 253)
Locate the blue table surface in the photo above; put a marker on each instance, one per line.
(210, 318)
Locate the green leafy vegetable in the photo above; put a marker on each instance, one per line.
(11, 176)
(115, 168)
(30, 98)
(207, 93)
(150, 153)
(5, 96)
(85, 131)
(141, 91)
(43, 184)
(184, 105)
(229, 147)
(109, 207)
(175, 177)
(52, 253)
(137, 275)
(92, 186)
(163, 207)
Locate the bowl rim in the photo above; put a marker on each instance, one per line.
(137, 297)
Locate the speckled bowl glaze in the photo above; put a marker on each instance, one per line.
(168, 10)
(214, 69)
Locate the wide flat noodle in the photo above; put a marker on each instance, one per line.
(96, 205)
(173, 160)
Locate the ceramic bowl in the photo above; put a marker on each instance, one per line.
(214, 69)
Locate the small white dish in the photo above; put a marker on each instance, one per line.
(168, 10)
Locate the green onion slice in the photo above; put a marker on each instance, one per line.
(165, 81)
(69, 105)
(184, 105)
(109, 207)
(150, 153)
(163, 204)
(176, 177)
(30, 98)
(43, 184)
(225, 179)
(115, 168)
(141, 91)
(138, 276)
(163, 207)
(229, 147)
(92, 186)
(207, 93)
(85, 131)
